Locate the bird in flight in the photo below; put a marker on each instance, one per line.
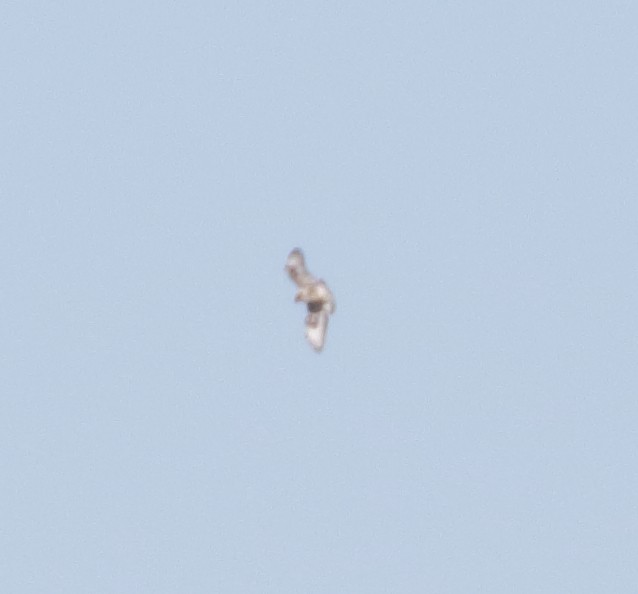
(315, 294)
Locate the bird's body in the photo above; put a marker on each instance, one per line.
(315, 294)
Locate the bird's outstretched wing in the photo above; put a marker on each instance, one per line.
(316, 326)
(296, 267)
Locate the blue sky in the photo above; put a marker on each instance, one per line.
(465, 177)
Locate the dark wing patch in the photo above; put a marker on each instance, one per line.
(315, 306)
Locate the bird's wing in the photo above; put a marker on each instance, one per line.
(296, 267)
(322, 293)
(316, 326)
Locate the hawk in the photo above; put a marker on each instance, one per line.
(315, 294)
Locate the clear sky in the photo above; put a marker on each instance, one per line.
(463, 174)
